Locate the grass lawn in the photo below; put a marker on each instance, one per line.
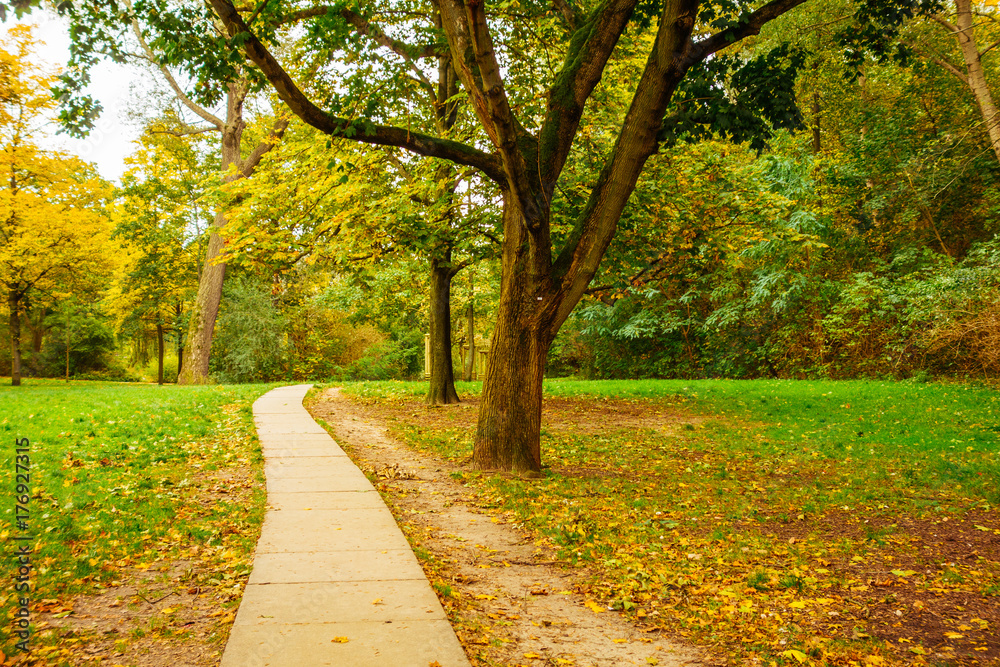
(127, 479)
(772, 521)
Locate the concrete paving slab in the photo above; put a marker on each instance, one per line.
(281, 452)
(279, 539)
(334, 581)
(326, 501)
(346, 601)
(397, 644)
(288, 426)
(299, 467)
(300, 568)
(345, 482)
(296, 438)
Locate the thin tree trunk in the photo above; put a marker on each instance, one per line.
(180, 340)
(159, 355)
(470, 328)
(816, 135)
(974, 71)
(441, 390)
(14, 303)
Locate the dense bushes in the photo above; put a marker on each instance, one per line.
(908, 318)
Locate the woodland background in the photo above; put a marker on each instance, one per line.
(861, 240)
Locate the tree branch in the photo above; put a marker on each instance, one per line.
(247, 166)
(752, 25)
(569, 14)
(380, 135)
(574, 84)
(178, 91)
(364, 27)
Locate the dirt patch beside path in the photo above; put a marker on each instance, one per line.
(510, 601)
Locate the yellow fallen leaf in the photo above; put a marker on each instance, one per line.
(619, 641)
(340, 640)
(798, 604)
(953, 635)
(486, 597)
(594, 607)
(168, 610)
(377, 601)
(532, 655)
(798, 655)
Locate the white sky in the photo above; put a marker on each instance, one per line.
(112, 137)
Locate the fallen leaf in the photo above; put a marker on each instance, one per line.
(798, 655)
(340, 640)
(594, 607)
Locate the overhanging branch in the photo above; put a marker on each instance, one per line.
(335, 126)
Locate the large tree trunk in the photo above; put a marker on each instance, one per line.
(442, 382)
(974, 71)
(213, 274)
(205, 311)
(510, 414)
(14, 304)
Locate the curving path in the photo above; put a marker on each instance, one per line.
(334, 581)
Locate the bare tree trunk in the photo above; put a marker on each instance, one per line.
(14, 304)
(974, 72)
(441, 390)
(159, 351)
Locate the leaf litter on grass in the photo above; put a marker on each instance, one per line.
(774, 533)
(147, 503)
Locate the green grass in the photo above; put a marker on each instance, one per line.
(114, 468)
(687, 525)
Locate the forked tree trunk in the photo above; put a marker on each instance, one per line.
(442, 383)
(14, 304)
(510, 413)
(213, 274)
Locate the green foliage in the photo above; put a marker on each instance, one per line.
(250, 344)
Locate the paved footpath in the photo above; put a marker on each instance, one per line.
(334, 581)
